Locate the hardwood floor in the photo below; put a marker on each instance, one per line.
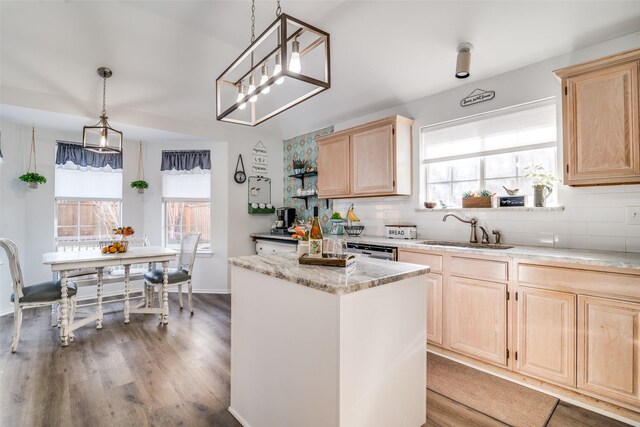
(144, 374)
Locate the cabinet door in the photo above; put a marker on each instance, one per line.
(546, 335)
(476, 319)
(373, 161)
(333, 167)
(601, 126)
(609, 347)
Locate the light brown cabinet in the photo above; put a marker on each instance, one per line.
(434, 291)
(546, 335)
(601, 120)
(333, 161)
(609, 348)
(476, 319)
(369, 160)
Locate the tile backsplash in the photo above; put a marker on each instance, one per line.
(593, 218)
(304, 147)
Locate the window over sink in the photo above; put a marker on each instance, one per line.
(488, 151)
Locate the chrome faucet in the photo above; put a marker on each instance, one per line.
(498, 235)
(472, 221)
(485, 236)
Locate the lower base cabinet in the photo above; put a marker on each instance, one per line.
(609, 348)
(476, 319)
(546, 335)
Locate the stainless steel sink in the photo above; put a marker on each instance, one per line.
(464, 244)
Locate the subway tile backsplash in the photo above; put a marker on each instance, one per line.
(593, 218)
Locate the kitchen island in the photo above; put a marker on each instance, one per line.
(324, 346)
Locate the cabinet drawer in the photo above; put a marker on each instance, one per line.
(494, 271)
(413, 257)
(579, 281)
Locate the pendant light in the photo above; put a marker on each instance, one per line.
(101, 137)
(286, 42)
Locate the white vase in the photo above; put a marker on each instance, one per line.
(303, 248)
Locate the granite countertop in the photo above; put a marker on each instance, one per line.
(365, 273)
(629, 260)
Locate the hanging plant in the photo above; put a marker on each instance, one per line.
(33, 178)
(140, 183)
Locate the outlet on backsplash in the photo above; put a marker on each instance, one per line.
(633, 215)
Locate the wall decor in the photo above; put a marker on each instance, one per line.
(239, 176)
(478, 95)
(260, 163)
(259, 196)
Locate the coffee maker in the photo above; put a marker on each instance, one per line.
(287, 216)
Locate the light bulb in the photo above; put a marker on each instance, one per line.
(278, 69)
(294, 63)
(265, 76)
(252, 89)
(241, 97)
(103, 138)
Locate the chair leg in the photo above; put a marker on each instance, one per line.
(17, 324)
(190, 297)
(54, 315)
(72, 314)
(180, 296)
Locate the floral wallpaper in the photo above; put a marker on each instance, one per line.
(304, 147)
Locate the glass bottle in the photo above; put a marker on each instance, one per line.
(315, 236)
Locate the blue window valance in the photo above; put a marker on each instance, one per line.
(74, 153)
(186, 160)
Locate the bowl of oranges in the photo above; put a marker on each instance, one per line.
(114, 247)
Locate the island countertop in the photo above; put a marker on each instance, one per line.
(365, 273)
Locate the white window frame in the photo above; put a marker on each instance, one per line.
(165, 200)
(424, 163)
(80, 199)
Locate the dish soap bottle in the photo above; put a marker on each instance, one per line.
(315, 237)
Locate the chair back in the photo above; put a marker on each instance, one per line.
(188, 248)
(14, 266)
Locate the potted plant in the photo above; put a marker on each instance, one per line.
(541, 180)
(140, 184)
(477, 199)
(299, 166)
(125, 232)
(33, 179)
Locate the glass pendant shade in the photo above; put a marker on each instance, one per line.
(102, 138)
(301, 46)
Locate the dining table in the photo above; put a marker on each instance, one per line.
(64, 262)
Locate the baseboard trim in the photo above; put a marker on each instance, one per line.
(238, 417)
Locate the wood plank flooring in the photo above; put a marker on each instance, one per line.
(144, 374)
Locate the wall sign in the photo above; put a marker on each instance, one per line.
(477, 96)
(260, 164)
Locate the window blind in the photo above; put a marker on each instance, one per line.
(88, 184)
(186, 187)
(527, 126)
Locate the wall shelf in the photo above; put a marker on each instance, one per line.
(306, 200)
(302, 176)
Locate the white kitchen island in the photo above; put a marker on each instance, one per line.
(324, 346)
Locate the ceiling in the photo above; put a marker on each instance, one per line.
(166, 55)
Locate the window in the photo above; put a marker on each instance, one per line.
(88, 193)
(488, 151)
(186, 192)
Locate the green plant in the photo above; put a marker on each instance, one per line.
(336, 215)
(539, 176)
(141, 183)
(299, 164)
(479, 193)
(33, 177)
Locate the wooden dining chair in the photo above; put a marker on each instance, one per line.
(177, 276)
(38, 295)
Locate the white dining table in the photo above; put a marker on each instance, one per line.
(63, 262)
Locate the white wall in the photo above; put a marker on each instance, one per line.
(593, 218)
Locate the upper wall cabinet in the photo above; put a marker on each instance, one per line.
(601, 120)
(365, 161)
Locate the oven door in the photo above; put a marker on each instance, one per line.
(373, 251)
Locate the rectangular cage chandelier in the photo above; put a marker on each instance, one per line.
(287, 64)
